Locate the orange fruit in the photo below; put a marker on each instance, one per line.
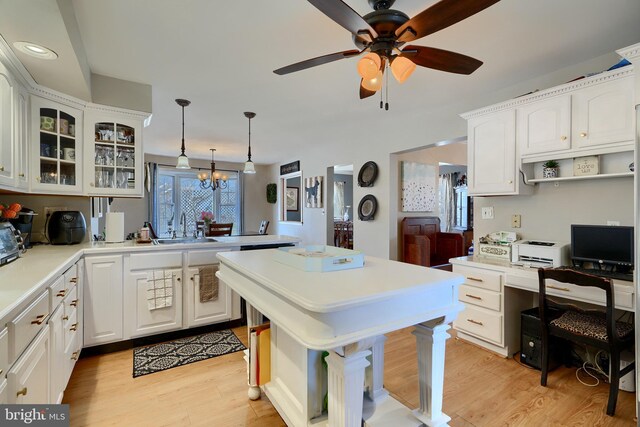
(16, 207)
(9, 214)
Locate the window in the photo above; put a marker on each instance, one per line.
(179, 192)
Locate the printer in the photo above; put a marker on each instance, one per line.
(537, 253)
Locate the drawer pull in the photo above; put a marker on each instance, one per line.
(474, 297)
(475, 279)
(73, 280)
(65, 317)
(74, 356)
(563, 138)
(558, 288)
(1, 371)
(583, 134)
(39, 319)
(74, 327)
(74, 303)
(22, 392)
(178, 279)
(61, 293)
(475, 322)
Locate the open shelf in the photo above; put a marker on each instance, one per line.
(575, 178)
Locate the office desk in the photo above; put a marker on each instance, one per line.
(347, 314)
(495, 292)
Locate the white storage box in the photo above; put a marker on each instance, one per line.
(494, 251)
(319, 258)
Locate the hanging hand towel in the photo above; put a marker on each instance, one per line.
(159, 289)
(208, 283)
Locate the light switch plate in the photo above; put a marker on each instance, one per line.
(515, 221)
(487, 212)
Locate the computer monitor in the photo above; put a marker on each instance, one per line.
(603, 245)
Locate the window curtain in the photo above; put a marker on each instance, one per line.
(447, 201)
(338, 200)
(151, 184)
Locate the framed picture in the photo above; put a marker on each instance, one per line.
(418, 187)
(292, 198)
(313, 192)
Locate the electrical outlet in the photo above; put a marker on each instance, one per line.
(49, 210)
(515, 221)
(487, 212)
(613, 222)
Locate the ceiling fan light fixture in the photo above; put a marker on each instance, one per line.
(374, 84)
(402, 68)
(369, 65)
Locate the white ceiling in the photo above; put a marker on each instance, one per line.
(220, 55)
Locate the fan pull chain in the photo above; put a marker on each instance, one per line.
(386, 105)
(381, 104)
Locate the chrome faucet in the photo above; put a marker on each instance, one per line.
(183, 223)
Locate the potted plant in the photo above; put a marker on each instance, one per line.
(550, 169)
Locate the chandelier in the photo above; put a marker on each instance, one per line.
(214, 180)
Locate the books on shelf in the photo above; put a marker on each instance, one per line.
(259, 355)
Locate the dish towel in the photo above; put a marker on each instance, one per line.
(159, 289)
(208, 283)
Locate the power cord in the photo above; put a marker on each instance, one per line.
(591, 369)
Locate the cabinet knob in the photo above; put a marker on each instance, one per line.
(1, 168)
(74, 327)
(178, 279)
(74, 356)
(21, 175)
(91, 184)
(510, 182)
(583, 134)
(22, 392)
(65, 317)
(563, 138)
(38, 178)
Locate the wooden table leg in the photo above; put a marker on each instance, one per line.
(431, 340)
(346, 387)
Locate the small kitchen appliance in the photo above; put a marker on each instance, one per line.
(9, 243)
(537, 253)
(66, 228)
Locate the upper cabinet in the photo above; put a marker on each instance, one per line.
(113, 163)
(491, 152)
(21, 138)
(7, 176)
(56, 147)
(588, 117)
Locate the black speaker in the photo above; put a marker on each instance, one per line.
(531, 341)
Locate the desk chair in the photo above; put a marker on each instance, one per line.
(592, 327)
(220, 229)
(264, 224)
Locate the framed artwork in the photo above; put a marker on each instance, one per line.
(313, 192)
(292, 198)
(418, 187)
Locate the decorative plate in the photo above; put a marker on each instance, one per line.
(367, 207)
(368, 174)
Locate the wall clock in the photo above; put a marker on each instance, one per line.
(368, 174)
(367, 207)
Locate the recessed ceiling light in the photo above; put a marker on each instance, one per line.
(35, 50)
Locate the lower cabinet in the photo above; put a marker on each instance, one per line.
(56, 330)
(201, 308)
(103, 311)
(28, 379)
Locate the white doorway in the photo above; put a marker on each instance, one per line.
(340, 206)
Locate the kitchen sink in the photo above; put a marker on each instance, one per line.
(185, 240)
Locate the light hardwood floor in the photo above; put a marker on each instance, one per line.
(481, 389)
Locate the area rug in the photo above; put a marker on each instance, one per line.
(159, 357)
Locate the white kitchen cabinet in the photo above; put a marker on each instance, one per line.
(56, 147)
(103, 303)
(483, 319)
(7, 146)
(114, 157)
(140, 269)
(491, 152)
(4, 391)
(199, 313)
(603, 114)
(57, 379)
(21, 138)
(146, 321)
(28, 378)
(545, 126)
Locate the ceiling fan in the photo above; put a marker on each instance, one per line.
(382, 35)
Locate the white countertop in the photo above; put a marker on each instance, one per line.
(27, 277)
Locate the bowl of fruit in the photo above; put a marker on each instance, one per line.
(10, 211)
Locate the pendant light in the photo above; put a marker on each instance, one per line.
(248, 165)
(183, 160)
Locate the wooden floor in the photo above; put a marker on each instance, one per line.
(481, 389)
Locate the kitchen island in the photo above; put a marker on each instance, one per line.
(347, 314)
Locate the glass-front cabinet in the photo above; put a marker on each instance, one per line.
(57, 147)
(114, 157)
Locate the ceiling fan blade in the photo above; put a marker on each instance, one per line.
(439, 59)
(365, 93)
(303, 65)
(342, 14)
(441, 15)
